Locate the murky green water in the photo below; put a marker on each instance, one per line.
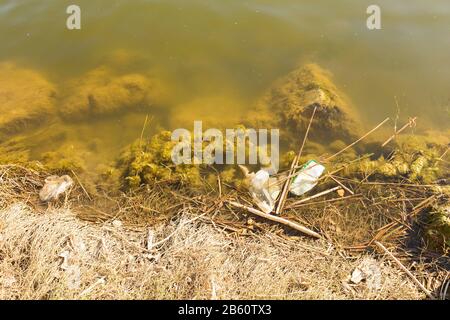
(217, 57)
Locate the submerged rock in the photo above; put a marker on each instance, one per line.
(289, 104)
(102, 92)
(26, 98)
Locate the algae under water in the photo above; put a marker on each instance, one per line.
(87, 92)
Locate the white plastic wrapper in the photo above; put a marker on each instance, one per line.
(307, 178)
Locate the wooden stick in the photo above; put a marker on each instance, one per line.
(396, 133)
(355, 142)
(286, 222)
(316, 195)
(413, 278)
(294, 164)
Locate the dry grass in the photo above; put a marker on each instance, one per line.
(168, 246)
(198, 262)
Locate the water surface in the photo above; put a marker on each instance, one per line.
(229, 52)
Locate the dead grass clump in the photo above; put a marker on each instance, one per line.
(57, 256)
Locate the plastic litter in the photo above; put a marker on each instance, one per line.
(369, 271)
(54, 187)
(307, 178)
(266, 189)
(263, 189)
(259, 189)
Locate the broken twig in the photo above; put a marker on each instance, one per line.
(342, 185)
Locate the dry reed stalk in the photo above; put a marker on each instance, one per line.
(81, 185)
(342, 185)
(348, 164)
(320, 194)
(324, 177)
(444, 154)
(294, 206)
(413, 278)
(410, 123)
(400, 184)
(283, 221)
(219, 183)
(355, 142)
(294, 164)
(143, 130)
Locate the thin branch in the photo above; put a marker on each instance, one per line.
(81, 185)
